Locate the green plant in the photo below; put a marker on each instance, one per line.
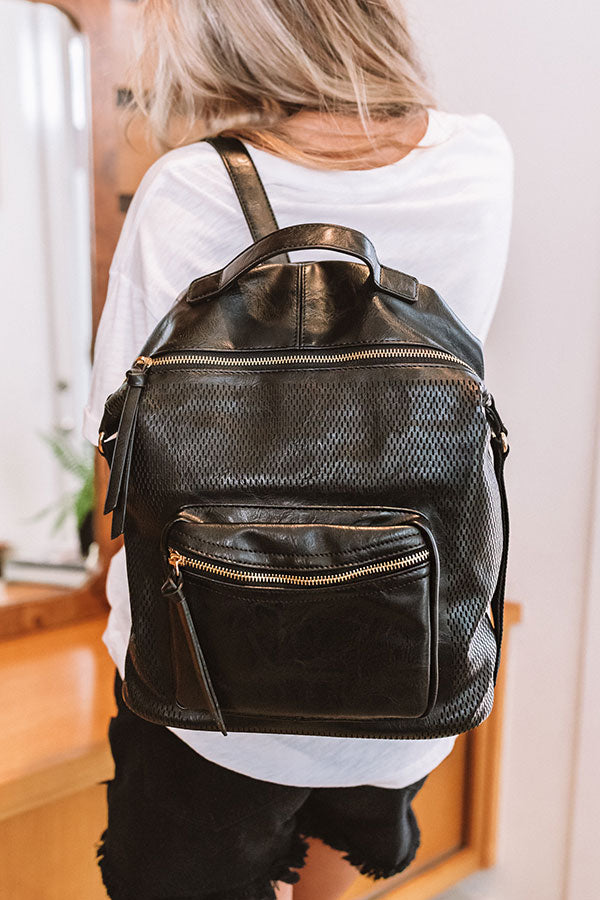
(79, 463)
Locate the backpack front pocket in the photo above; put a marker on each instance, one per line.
(313, 612)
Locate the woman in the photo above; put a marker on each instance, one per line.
(331, 101)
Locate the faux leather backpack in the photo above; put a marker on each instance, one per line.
(306, 466)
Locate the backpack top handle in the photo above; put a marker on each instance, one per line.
(318, 236)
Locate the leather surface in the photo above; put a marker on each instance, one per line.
(121, 465)
(327, 535)
(300, 662)
(306, 237)
(410, 436)
(183, 624)
(319, 304)
(265, 456)
(248, 187)
(297, 660)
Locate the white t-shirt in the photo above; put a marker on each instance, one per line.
(441, 214)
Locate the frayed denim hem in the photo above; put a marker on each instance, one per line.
(114, 890)
(327, 833)
(261, 888)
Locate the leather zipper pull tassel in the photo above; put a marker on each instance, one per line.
(116, 494)
(173, 590)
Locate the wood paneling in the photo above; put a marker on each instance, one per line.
(55, 705)
(49, 853)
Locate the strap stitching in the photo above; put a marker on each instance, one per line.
(382, 543)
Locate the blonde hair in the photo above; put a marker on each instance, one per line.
(245, 68)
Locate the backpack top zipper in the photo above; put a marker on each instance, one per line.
(302, 357)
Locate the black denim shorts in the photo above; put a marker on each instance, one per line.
(181, 827)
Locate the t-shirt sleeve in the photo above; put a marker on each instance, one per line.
(462, 239)
(125, 324)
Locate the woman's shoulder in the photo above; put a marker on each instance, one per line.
(192, 168)
(185, 176)
(474, 133)
(183, 188)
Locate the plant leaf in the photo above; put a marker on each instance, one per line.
(79, 463)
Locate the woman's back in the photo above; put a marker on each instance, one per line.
(441, 214)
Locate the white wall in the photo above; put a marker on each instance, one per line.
(586, 807)
(534, 67)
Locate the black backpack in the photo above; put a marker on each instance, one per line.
(307, 469)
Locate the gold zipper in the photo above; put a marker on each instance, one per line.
(177, 559)
(285, 358)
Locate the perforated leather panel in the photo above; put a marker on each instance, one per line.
(393, 435)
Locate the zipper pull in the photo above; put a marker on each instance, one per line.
(143, 363)
(175, 560)
(136, 375)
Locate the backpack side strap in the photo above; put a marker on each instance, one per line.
(500, 450)
(248, 187)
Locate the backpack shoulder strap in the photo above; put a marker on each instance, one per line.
(248, 187)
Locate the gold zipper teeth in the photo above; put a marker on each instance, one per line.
(283, 359)
(177, 559)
